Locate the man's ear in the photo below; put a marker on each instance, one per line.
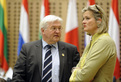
(42, 30)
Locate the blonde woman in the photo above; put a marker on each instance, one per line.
(98, 59)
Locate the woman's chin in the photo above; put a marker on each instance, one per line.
(85, 30)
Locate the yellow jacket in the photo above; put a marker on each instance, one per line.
(97, 62)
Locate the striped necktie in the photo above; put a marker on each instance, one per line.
(47, 70)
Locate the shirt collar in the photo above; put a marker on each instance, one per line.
(44, 44)
(95, 36)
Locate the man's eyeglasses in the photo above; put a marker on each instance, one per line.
(56, 28)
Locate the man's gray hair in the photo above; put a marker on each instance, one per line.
(48, 19)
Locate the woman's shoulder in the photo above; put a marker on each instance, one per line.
(106, 39)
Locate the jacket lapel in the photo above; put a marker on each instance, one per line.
(62, 58)
(61, 55)
(39, 55)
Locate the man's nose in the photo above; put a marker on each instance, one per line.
(58, 30)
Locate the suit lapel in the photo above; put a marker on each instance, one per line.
(39, 55)
(62, 55)
(62, 58)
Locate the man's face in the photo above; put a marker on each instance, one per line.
(52, 33)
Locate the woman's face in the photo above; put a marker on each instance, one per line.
(89, 23)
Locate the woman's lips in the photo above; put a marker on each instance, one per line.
(84, 25)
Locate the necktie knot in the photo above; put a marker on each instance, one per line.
(48, 46)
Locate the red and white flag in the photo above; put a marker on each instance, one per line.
(91, 2)
(71, 35)
(87, 37)
(44, 11)
(114, 33)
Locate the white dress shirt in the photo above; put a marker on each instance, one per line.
(55, 60)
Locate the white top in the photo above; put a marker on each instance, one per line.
(55, 60)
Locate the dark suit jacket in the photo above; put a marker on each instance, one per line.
(28, 67)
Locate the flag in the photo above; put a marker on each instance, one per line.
(71, 35)
(87, 37)
(9, 74)
(44, 11)
(114, 33)
(91, 2)
(24, 26)
(3, 36)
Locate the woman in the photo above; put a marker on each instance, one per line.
(98, 59)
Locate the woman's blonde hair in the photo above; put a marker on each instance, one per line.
(98, 12)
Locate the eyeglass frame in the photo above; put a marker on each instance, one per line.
(53, 28)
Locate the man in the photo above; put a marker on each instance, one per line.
(30, 66)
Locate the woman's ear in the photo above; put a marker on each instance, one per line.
(99, 21)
